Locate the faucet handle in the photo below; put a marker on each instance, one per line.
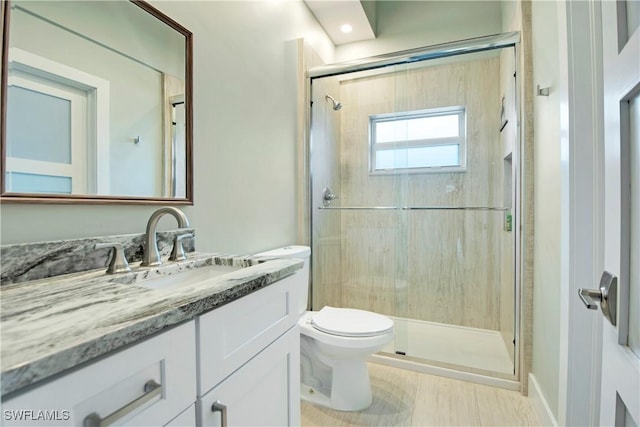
(118, 262)
(177, 254)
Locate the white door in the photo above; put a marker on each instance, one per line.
(57, 128)
(50, 161)
(620, 395)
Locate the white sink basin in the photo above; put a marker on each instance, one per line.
(186, 278)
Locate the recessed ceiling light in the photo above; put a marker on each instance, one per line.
(346, 28)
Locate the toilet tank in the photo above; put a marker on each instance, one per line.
(302, 275)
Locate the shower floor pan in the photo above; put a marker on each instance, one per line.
(450, 344)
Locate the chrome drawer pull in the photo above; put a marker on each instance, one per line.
(219, 407)
(151, 390)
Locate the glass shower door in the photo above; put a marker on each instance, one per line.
(420, 158)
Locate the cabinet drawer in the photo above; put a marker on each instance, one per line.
(232, 334)
(263, 392)
(115, 382)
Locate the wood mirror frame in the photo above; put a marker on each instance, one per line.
(15, 197)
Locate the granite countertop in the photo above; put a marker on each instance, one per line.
(51, 325)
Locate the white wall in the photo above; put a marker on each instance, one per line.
(547, 284)
(245, 144)
(158, 46)
(402, 25)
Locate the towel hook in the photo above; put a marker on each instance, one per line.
(543, 91)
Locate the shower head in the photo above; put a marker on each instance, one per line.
(336, 105)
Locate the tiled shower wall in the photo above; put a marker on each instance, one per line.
(442, 266)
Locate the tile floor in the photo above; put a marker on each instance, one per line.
(408, 398)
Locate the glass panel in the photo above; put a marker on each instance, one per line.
(634, 226)
(31, 183)
(419, 157)
(632, 9)
(440, 155)
(433, 127)
(441, 126)
(628, 20)
(391, 131)
(446, 277)
(38, 126)
(326, 237)
(623, 416)
(400, 283)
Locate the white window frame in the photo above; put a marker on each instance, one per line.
(460, 140)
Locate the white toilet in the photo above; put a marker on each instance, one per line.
(334, 345)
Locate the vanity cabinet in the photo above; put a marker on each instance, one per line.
(185, 419)
(243, 357)
(147, 384)
(249, 356)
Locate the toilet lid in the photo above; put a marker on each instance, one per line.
(349, 322)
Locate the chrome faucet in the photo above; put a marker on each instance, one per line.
(151, 255)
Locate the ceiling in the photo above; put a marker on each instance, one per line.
(332, 14)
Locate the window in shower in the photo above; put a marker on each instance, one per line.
(432, 140)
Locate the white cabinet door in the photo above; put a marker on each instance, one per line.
(263, 392)
(231, 335)
(620, 395)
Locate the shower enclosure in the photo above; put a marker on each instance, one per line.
(414, 164)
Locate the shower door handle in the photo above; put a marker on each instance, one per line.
(606, 295)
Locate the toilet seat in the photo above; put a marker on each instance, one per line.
(350, 322)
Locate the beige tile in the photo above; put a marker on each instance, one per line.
(499, 407)
(445, 402)
(407, 398)
(394, 392)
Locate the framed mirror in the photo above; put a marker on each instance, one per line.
(96, 104)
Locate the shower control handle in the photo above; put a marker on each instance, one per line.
(327, 197)
(606, 295)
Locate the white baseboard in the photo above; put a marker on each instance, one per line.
(539, 404)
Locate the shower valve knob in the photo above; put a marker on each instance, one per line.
(327, 196)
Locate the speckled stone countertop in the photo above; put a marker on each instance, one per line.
(51, 325)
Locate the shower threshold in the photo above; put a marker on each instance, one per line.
(478, 349)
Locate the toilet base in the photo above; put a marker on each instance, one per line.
(350, 388)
